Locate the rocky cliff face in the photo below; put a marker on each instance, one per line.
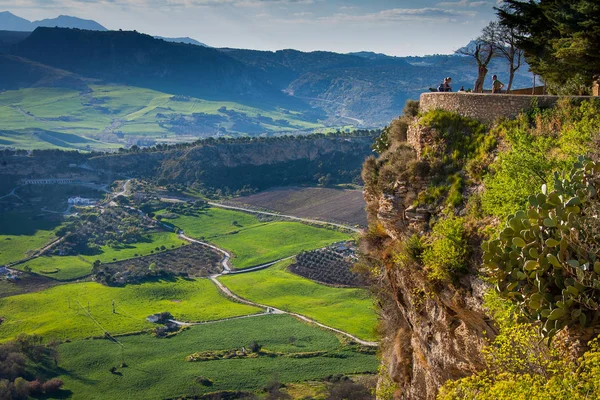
(258, 164)
(433, 331)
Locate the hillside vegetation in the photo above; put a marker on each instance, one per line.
(176, 92)
(490, 231)
(59, 110)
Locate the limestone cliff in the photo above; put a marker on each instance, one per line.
(433, 329)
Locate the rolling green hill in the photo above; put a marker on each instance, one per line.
(104, 117)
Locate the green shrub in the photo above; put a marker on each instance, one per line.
(538, 143)
(445, 252)
(411, 108)
(460, 138)
(546, 258)
(455, 192)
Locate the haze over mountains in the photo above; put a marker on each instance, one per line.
(11, 22)
(362, 89)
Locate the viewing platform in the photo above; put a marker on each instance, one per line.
(487, 107)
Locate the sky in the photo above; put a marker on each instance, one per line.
(393, 27)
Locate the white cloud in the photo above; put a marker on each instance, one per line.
(464, 3)
(402, 15)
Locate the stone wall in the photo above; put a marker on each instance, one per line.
(484, 107)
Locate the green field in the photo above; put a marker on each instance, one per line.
(252, 242)
(156, 367)
(73, 267)
(274, 241)
(21, 235)
(42, 118)
(350, 310)
(61, 312)
(213, 222)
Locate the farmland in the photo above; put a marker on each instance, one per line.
(327, 266)
(61, 311)
(336, 205)
(193, 260)
(348, 309)
(73, 267)
(250, 241)
(162, 372)
(109, 116)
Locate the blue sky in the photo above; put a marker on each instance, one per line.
(395, 27)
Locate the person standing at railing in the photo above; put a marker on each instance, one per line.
(496, 85)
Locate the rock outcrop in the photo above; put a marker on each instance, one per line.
(433, 331)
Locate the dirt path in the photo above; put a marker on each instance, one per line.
(124, 191)
(12, 193)
(224, 263)
(310, 221)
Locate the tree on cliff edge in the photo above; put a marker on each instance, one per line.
(561, 38)
(483, 49)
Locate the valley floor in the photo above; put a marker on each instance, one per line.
(314, 330)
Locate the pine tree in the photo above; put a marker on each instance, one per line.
(561, 38)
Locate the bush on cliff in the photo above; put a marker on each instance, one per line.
(534, 146)
(519, 366)
(445, 252)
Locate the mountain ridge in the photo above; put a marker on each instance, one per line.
(12, 22)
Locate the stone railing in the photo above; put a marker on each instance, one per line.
(485, 107)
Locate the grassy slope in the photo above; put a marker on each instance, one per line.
(20, 235)
(72, 267)
(274, 241)
(255, 242)
(156, 367)
(27, 111)
(47, 313)
(213, 222)
(350, 310)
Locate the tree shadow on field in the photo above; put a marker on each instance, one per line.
(61, 371)
(61, 394)
(26, 224)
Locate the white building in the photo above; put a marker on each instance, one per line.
(81, 201)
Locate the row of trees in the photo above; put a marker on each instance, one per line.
(496, 40)
(559, 39)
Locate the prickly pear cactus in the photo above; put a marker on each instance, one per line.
(538, 262)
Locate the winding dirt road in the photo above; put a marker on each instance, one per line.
(273, 310)
(268, 309)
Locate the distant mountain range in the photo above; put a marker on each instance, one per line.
(363, 89)
(11, 22)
